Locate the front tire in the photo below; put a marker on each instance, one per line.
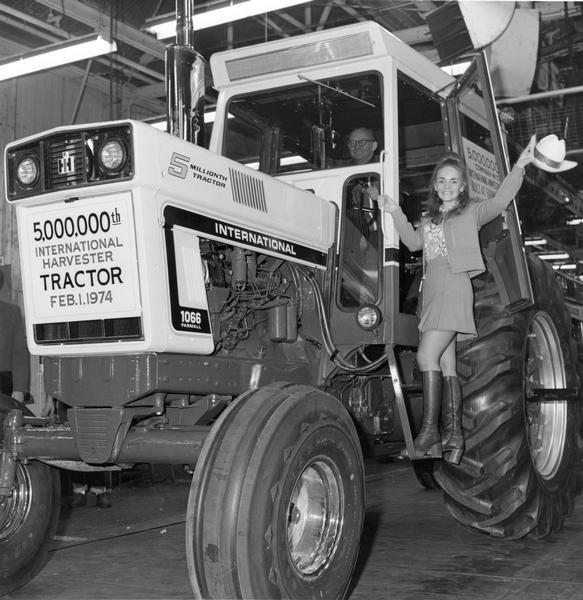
(277, 498)
(28, 519)
(517, 475)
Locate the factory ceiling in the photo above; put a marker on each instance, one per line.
(138, 64)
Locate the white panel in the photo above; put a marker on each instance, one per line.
(486, 21)
(191, 289)
(513, 56)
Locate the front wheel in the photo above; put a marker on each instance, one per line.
(276, 504)
(28, 518)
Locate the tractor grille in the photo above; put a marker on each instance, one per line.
(97, 330)
(66, 161)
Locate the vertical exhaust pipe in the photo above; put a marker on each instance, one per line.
(185, 80)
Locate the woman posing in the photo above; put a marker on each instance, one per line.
(448, 235)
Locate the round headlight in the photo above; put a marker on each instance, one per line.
(112, 155)
(368, 317)
(27, 171)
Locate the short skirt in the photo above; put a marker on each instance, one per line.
(447, 300)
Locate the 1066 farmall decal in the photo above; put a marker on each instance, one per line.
(82, 260)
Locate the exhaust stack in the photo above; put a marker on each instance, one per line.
(185, 80)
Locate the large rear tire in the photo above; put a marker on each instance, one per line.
(276, 504)
(517, 475)
(28, 519)
(425, 472)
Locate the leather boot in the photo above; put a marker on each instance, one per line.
(428, 441)
(453, 444)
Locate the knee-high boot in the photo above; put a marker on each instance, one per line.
(453, 444)
(428, 441)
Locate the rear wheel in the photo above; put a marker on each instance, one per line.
(517, 473)
(425, 472)
(277, 499)
(28, 518)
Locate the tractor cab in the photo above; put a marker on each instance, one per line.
(290, 113)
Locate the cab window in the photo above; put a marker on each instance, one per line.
(360, 244)
(303, 127)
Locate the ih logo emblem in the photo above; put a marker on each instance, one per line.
(66, 163)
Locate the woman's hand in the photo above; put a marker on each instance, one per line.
(387, 203)
(527, 155)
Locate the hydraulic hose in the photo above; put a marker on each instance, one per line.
(331, 348)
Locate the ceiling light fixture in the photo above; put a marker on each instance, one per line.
(553, 255)
(56, 55)
(164, 27)
(535, 242)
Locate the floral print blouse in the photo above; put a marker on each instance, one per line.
(433, 240)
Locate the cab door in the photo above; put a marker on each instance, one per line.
(421, 137)
(476, 134)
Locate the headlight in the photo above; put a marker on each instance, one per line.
(112, 155)
(368, 317)
(27, 171)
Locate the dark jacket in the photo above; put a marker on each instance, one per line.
(14, 355)
(461, 231)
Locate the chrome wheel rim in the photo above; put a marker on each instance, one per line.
(14, 509)
(315, 517)
(546, 420)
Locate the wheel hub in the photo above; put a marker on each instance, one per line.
(546, 420)
(13, 510)
(315, 517)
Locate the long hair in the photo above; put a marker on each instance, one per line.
(434, 201)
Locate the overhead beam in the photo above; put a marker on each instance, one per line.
(324, 15)
(54, 34)
(413, 36)
(125, 33)
(100, 84)
(29, 23)
(265, 20)
(285, 16)
(352, 12)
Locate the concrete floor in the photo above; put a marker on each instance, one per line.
(411, 549)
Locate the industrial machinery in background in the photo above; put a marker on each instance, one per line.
(241, 310)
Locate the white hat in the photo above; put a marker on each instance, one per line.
(549, 155)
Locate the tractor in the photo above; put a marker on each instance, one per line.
(242, 309)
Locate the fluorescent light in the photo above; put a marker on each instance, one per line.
(456, 69)
(577, 221)
(286, 161)
(535, 242)
(553, 255)
(225, 14)
(565, 267)
(56, 55)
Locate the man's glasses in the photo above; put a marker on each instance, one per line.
(358, 143)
